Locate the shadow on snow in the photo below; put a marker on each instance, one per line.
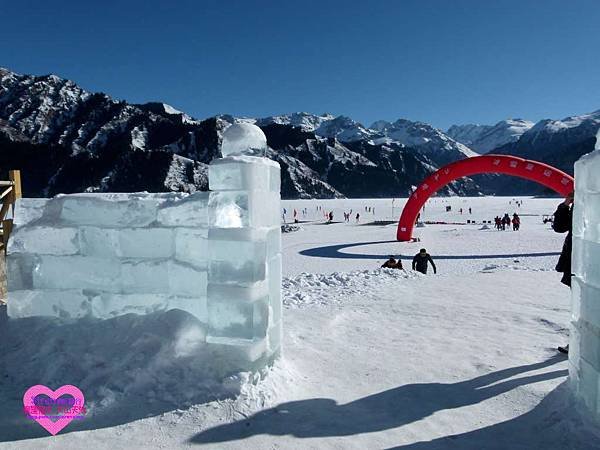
(335, 251)
(403, 405)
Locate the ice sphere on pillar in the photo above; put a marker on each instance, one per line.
(243, 139)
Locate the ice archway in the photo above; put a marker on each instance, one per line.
(536, 171)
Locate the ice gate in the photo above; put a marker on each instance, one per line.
(216, 255)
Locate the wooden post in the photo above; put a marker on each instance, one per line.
(6, 229)
(15, 177)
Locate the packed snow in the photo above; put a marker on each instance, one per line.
(373, 358)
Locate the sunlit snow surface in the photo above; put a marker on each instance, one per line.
(372, 358)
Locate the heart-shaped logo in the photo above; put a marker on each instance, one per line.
(38, 413)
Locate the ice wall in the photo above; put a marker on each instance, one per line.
(216, 255)
(104, 255)
(584, 348)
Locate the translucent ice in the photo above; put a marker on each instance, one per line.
(243, 138)
(76, 272)
(187, 281)
(188, 212)
(243, 173)
(45, 240)
(237, 320)
(145, 277)
(237, 209)
(66, 303)
(146, 242)
(108, 210)
(103, 242)
(239, 256)
(191, 246)
(274, 275)
(105, 306)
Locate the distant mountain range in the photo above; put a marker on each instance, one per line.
(66, 139)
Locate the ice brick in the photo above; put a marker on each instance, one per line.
(189, 212)
(586, 261)
(67, 303)
(225, 292)
(19, 271)
(239, 174)
(191, 246)
(44, 240)
(274, 338)
(237, 320)
(105, 306)
(585, 302)
(588, 386)
(274, 271)
(240, 209)
(149, 276)
(239, 255)
(275, 178)
(588, 219)
(108, 211)
(187, 281)
(100, 242)
(234, 355)
(76, 272)
(146, 242)
(589, 343)
(28, 210)
(586, 173)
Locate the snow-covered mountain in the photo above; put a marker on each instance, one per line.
(419, 136)
(429, 140)
(558, 142)
(66, 139)
(485, 138)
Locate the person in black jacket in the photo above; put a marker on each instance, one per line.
(563, 223)
(420, 261)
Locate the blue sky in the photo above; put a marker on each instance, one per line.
(442, 61)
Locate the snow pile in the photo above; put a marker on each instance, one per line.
(322, 289)
(129, 367)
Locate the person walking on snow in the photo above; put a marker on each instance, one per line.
(392, 263)
(420, 261)
(516, 220)
(563, 223)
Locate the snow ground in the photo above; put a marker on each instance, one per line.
(372, 358)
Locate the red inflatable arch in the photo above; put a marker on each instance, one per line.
(509, 165)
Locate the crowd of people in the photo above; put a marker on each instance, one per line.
(504, 223)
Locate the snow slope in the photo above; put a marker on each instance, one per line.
(372, 358)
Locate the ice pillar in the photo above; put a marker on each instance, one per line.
(244, 245)
(584, 348)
